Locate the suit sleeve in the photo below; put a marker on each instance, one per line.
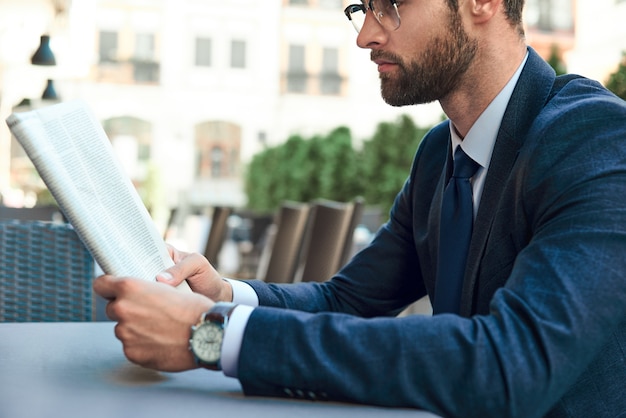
(563, 300)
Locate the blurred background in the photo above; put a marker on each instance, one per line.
(245, 103)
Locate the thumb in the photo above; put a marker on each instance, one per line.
(194, 268)
(173, 278)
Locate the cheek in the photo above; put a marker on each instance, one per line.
(420, 24)
(414, 32)
(410, 45)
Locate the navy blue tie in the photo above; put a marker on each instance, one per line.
(457, 219)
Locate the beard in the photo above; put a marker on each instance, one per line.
(435, 74)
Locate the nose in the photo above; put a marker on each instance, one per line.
(372, 35)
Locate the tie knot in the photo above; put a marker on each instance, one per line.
(464, 166)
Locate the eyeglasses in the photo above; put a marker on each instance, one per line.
(385, 12)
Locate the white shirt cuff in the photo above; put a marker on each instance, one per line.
(243, 293)
(233, 337)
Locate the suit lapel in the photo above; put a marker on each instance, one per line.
(527, 100)
(435, 207)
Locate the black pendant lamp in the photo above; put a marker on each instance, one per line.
(50, 93)
(43, 55)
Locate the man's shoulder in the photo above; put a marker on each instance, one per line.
(572, 90)
(581, 124)
(579, 103)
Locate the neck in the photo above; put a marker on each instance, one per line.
(491, 71)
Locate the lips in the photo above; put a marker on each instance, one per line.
(384, 65)
(384, 61)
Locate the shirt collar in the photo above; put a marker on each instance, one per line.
(481, 138)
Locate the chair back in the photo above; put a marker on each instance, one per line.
(217, 233)
(46, 273)
(171, 221)
(282, 251)
(327, 232)
(38, 213)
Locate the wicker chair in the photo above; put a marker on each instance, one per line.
(46, 273)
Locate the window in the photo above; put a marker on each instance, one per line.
(296, 73)
(132, 139)
(203, 52)
(218, 145)
(238, 54)
(217, 160)
(330, 4)
(233, 162)
(145, 67)
(108, 46)
(144, 47)
(146, 71)
(127, 57)
(549, 15)
(330, 82)
(544, 21)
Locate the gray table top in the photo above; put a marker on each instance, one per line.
(79, 370)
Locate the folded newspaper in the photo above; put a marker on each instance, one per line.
(74, 158)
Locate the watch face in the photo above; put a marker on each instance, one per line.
(206, 342)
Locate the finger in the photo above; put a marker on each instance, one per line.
(190, 266)
(109, 310)
(117, 332)
(168, 278)
(105, 286)
(173, 252)
(176, 255)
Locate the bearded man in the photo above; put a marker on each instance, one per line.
(512, 221)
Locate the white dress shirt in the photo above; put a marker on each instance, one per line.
(478, 144)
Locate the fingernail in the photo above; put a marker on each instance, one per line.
(165, 276)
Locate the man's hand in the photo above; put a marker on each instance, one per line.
(200, 275)
(153, 320)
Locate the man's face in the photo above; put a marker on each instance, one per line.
(428, 71)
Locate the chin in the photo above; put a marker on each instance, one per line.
(403, 100)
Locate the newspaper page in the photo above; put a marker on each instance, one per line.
(75, 159)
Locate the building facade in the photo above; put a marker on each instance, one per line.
(600, 38)
(189, 90)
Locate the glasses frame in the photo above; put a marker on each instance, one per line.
(378, 14)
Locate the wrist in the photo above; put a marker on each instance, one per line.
(207, 335)
(226, 295)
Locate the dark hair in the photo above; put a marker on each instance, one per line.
(512, 8)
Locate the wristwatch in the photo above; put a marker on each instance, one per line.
(207, 335)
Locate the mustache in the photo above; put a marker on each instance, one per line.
(385, 56)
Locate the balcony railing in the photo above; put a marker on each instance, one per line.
(330, 84)
(133, 71)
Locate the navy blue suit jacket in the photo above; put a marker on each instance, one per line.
(542, 329)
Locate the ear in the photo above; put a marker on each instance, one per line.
(483, 10)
